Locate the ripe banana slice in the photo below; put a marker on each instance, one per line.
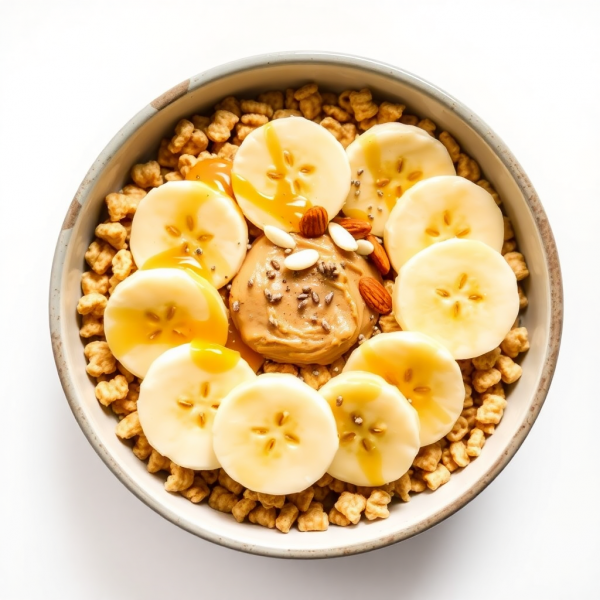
(188, 223)
(275, 434)
(387, 160)
(179, 398)
(285, 167)
(461, 293)
(424, 372)
(438, 209)
(152, 311)
(377, 427)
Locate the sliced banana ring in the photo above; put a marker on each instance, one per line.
(188, 223)
(438, 209)
(153, 311)
(275, 434)
(423, 371)
(377, 427)
(179, 398)
(461, 293)
(285, 167)
(386, 161)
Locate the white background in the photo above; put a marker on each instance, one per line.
(72, 73)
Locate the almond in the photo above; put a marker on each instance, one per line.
(356, 227)
(375, 295)
(378, 256)
(314, 222)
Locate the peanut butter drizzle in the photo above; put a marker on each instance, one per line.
(235, 342)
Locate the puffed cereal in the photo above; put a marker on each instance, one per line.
(197, 492)
(92, 304)
(314, 519)
(99, 256)
(263, 516)
(114, 389)
(486, 361)
(491, 410)
(515, 342)
(129, 426)
(142, 448)
(147, 175)
(271, 500)
(427, 125)
(222, 500)
(459, 430)
(376, 507)
(437, 478)
(179, 479)
(287, 517)
(315, 375)
(451, 145)
(428, 457)
(101, 359)
(242, 509)
(517, 263)
(362, 104)
(509, 370)
(475, 443)
(482, 380)
(448, 461)
(157, 462)
(468, 168)
(222, 124)
(229, 484)
(351, 506)
(302, 499)
(183, 133)
(337, 518)
(402, 487)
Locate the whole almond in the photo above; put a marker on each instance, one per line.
(358, 228)
(314, 222)
(379, 256)
(375, 295)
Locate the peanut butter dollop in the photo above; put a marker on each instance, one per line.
(301, 317)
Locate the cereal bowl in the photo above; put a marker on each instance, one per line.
(247, 77)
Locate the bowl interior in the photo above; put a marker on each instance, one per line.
(139, 140)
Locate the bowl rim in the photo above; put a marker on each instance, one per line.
(555, 321)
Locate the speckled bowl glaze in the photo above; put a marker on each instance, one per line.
(138, 141)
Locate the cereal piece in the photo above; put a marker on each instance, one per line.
(254, 120)
(362, 104)
(402, 487)
(305, 91)
(509, 369)
(263, 516)
(517, 263)
(222, 124)
(448, 461)
(91, 326)
(287, 517)
(325, 480)
(271, 500)
(475, 443)
(202, 122)
(127, 405)
(302, 499)
(336, 113)
(229, 484)
(329, 98)
(417, 484)
(230, 104)
(165, 157)
(366, 124)
(290, 102)
(92, 283)
(92, 304)
(183, 133)
(210, 476)
(314, 519)
(273, 367)
(486, 361)
(99, 256)
(129, 426)
(509, 246)
(258, 108)
(388, 323)
(222, 500)
(142, 448)
(101, 359)
(273, 98)
(468, 168)
(251, 495)
(320, 493)
(197, 491)
(344, 101)
(315, 375)
(113, 233)
(121, 205)
(173, 176)
(428, 457)
(482, 380)
(438, 478)
(344, 134)
(515, 342)
(335, 368)
(509, 232)
(487, 428)
(466, 367)
(470, 415)
(458, 452)
(286, 112)
(337, 518)
(180, 478)
(523, 302)
(451, 145)
(337, 486)
(122, 264)
(351, 506)
(310, 106)
(427, 125)
(409, 120)
(389, 112)
(114, 389)
(227, 151)
(487, 186)
(147, 175)
(185, 163)
(197, 143)
(242, 131)
(157, 462)
(242, 509)
(459, 430)
(376, 507)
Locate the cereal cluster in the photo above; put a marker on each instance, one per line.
(329, 500)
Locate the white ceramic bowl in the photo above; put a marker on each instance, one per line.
(138, 140)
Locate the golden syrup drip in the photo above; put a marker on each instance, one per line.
(213, 357)
(235, 342)
(214, 172)
(286, 205)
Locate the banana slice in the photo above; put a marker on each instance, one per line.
(438, 209)
(461, 293)
(285, 167)
(152, 311)
(424, 372)
(180, 396)
(188, 223)
(387, 160)
(377, 427)
(275, 434)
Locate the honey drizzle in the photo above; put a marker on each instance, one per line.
(213, 357)
(214, 172)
